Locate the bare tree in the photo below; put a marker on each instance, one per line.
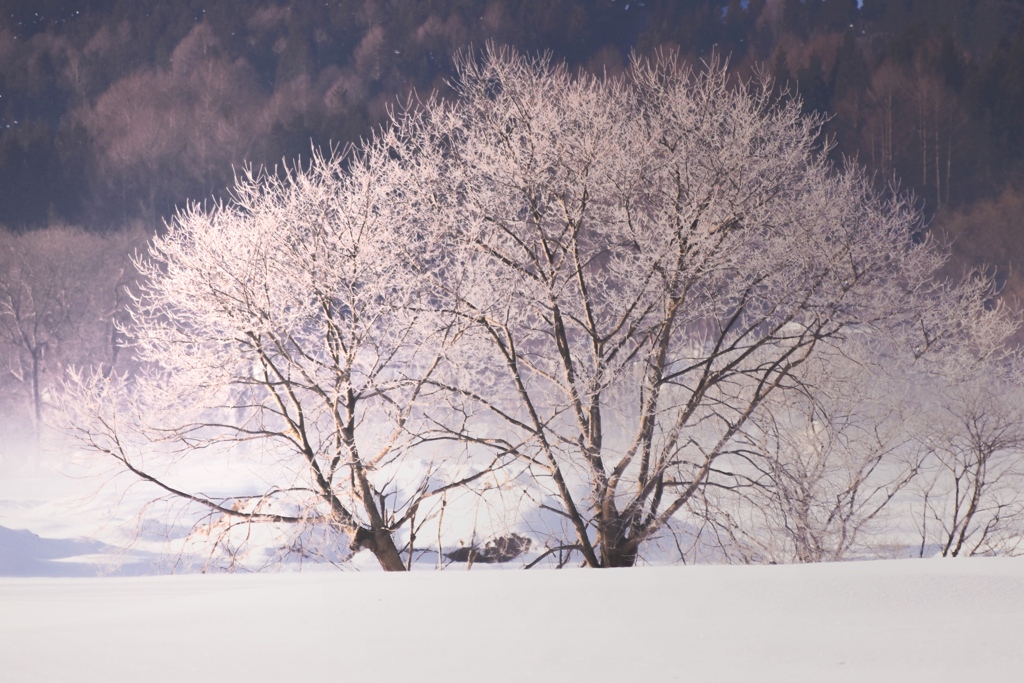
(57, 302)
(613, 291)
(290, 328)
(644, 261)
(972, 494)
(813, 474)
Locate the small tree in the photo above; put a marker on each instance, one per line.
(58, 296)
(290, 321)
(813, 475)
(972, 492)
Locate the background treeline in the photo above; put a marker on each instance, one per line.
(114, 112)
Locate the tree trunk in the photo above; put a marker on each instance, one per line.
(382, 545)
(617, 549)
(923, 137)
(37, 394)
(619, 556)
(938, 164)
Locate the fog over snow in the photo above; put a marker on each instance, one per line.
(898, 620)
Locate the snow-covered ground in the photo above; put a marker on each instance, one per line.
(61, 619)
(53, 523)
(901, 620)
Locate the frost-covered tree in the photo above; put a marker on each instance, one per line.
(643, 262)
(607, 288)
(837, 469)
(813, 473)
(286, 329)
(971, 493)
(58, 297)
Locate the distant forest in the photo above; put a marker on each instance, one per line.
(114, 112)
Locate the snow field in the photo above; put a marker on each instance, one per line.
(906, 620)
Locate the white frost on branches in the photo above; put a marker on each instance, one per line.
(609, 302)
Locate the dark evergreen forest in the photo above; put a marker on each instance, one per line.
(114, 112)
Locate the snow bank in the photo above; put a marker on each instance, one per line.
(908, 620)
